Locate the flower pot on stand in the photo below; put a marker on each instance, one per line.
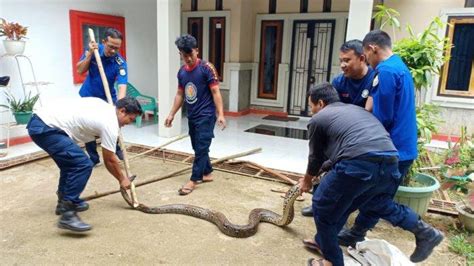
(418, 198)
(14, 47)
(466, 216)
(22, 118)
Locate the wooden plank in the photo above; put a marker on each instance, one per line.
(442, 211)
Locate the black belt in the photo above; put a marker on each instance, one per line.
(380, 159)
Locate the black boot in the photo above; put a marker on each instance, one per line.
(349, 237)
(70, 220)
(59, 208)
(307, 211)
(79, 207)
(427, 238)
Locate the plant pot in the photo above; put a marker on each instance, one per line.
(14, 47)
(22, 117)
(418, 198)
(466, 218)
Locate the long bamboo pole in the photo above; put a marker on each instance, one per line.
(159, 147)
(109, 100)
(268, 170)
(214, 162)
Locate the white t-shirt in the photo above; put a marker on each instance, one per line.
(84, 119)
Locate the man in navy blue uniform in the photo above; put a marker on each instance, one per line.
(198, 85)
(115, 69)
(394, 106)
(353, 85)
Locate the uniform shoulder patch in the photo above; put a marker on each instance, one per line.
(375, 82)
(122, 71)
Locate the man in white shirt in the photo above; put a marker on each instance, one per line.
(57, 129)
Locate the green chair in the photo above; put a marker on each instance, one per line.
(148, 103)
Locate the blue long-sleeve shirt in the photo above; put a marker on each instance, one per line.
(394, 105)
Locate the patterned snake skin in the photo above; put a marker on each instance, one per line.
(256, 215)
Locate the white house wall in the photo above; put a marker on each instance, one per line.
(49, 41)
(49, 44)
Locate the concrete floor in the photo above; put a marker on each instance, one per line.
(123, 236)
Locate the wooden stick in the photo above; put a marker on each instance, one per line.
(281, 176)
(159, 147)
(98, 195)
(105, 83)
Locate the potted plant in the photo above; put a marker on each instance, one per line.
(466, 212)
(458, 160)
(417, 187)
(22, 109)
(14, 34)
(423, 54)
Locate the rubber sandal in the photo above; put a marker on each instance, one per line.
(299, 198)
(311, 260)
(311, 245)
(183, 191)
(204, 181)
(279, 190)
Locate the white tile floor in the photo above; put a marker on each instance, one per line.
(278, 152)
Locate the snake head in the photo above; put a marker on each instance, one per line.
(132, 178)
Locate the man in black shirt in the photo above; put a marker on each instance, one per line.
(364, 172)
(353, 85)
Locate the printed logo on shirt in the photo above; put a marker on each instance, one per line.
(365, 93)
(190, 91)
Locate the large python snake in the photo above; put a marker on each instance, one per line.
(225, 226)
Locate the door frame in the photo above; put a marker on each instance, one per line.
(283, 68)
(329, 66)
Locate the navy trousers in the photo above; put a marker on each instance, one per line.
(398, 215)
(201, 132)
(348, 186)
(75, 166)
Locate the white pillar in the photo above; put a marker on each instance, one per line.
(360, 15)
(168, 17)
(234, 90)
